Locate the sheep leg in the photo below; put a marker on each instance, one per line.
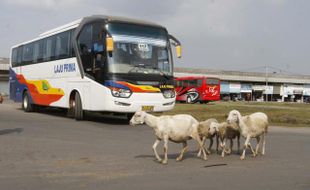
(210, 146)
(200, 150)
(197, 138)
(238, 144)
(252, 150)
(217, 142)
(154, 149)
(264, 143)
(231, 146)
(223, 145)
(258, 139)
(165, 161)
(184, 149)
(246, 143)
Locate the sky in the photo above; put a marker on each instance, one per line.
(240, 35)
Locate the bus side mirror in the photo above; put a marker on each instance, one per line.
(178, 49)
(177, 45)
(110, 44)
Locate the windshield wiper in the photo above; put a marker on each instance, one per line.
(137, 67)
(163, 74)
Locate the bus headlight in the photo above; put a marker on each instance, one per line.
(169, 93)
(121, 93)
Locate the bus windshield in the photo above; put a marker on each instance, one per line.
(139, 49)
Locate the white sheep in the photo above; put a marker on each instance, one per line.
(251, 126)
(228, 131)
(176, 128)
(207, 130)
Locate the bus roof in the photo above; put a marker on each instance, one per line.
(77, 22)
(99, 17)
(193, 77)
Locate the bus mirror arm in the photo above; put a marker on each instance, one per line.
(177, 45)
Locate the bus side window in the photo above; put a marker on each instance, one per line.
(50, 47)
(19, 55)
(72, 51)
(28, 54)
(192, 83)
(185, 83)
(62, 45)
(38, 51)
(14, 57)
(199, 82)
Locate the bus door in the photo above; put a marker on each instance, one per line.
(92, 49)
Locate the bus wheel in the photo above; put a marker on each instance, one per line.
(26, 105)
(129, 116)
(189, 100)
(77, 106)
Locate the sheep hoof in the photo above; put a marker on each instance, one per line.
(159, 160)
(199, 154)
(208, 152)
(164, 162)
(179, 159)
(241, 157)
(254, 155)
(205, 158)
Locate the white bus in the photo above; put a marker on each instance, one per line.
(97, 63)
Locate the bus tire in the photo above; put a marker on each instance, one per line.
(26, 105)
(78, 109)
(129, 116)
(189, 100)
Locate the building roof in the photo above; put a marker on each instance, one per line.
(244, 76)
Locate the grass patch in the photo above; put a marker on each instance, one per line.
(280, 114)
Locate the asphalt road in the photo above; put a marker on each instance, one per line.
(49, 151)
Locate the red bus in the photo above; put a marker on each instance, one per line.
(197, 89)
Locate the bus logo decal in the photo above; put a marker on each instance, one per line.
(64, 68)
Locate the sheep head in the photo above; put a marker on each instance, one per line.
(137, 118)
(233, 117)
(214, 128)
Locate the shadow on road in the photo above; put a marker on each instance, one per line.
(9, 131)
(189, 154)
(107, 119)
(89, 116)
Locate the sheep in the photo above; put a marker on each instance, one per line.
(251, 126)
(177, 128)
(227, 131)
(207, 130)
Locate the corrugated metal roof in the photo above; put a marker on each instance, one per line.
(243, 76)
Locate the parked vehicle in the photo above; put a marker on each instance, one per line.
(194, 89)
